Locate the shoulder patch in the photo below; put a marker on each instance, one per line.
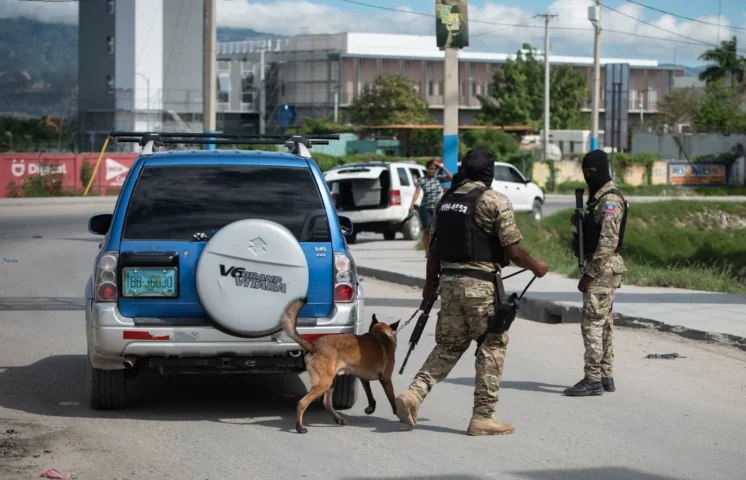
(509, 204)
(609, 209)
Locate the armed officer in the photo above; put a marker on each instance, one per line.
(603, 224)
(474, 235)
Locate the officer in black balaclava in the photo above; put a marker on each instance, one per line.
(596, 171)
(474, 236)
(603, 236)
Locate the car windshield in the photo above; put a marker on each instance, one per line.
(175, 202)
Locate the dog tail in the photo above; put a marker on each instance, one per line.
(289, 319)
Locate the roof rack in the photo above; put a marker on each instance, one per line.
(150, 141)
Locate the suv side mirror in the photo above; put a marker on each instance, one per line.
(346, 224)
(99, 224)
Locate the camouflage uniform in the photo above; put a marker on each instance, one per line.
(605, 266)
(466, 303)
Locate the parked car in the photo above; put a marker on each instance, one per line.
(376, 196)
(203, 251)
(524, 195)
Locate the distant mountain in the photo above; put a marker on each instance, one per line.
(39, 65)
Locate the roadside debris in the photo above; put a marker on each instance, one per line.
(668, 356)
(54, 473)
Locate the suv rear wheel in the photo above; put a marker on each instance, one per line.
(107, 389)
(345, 392)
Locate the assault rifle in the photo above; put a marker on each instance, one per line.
(577, 235)
(425, 306)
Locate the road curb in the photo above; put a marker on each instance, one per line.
(40, 201)
(546, 311)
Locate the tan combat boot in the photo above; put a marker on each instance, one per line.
(491, 426)
(407, 406)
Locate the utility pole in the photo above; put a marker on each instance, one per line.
(547, 17)
(208, 68)
(450, 110)
(262, 95)
(594, 15)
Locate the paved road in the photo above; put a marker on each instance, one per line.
(669, 419)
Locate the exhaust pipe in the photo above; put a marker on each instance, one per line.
(129, 362)
(295, 354)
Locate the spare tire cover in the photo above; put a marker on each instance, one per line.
(247, 273)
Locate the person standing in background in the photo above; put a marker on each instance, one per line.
(432, 188)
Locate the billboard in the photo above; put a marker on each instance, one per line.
(452, 23)
(682, 173)
(616, 105)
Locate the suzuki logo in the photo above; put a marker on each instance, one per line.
(257, 246)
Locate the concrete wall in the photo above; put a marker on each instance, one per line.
(695, 144)
(569, 171)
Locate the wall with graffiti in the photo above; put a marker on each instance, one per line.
(15, 168)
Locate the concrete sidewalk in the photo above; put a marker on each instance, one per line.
(555, 298)
(37, 201)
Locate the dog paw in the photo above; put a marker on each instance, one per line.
(370, 409)
(301, 429)
(341, 421)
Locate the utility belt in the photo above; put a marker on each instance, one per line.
(506, 308)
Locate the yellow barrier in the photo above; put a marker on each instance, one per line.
(95, 170)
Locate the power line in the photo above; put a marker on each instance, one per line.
(702, 42)
(682, 16)
(688, 41)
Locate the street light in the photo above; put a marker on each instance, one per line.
(147, 82)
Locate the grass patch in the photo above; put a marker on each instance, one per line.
(693, 245)
(568, 188)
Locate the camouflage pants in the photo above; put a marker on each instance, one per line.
(597, 324)
(466, 304)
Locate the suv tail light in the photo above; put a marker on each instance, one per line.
(395, 197)
(105, 282)
(344, 289)
(334, 199)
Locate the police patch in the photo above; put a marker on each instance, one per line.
(609, 210)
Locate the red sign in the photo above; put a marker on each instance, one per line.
(111, 173)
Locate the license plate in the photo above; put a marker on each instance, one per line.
(150, 282)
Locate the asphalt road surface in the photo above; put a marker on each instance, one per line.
(668, 419)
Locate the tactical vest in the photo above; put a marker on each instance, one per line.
(460, 239)
(592, 229)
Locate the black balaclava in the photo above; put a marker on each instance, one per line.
(479, 165)
(600, 161)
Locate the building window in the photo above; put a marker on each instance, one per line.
(110, 6)
(247, 89)
(110, 83)
(110, 45)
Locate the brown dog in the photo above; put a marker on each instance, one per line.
(369, 357)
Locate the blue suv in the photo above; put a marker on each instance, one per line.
(202, 253)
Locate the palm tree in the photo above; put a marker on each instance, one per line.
(727, 63)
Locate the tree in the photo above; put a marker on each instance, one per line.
(727, 64)
(516, 94)
(681, 104)
(391, 100)
(720, 111)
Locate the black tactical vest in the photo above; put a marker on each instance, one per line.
(592, 229)
(460, 240)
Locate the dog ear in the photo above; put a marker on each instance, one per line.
(394, 325)
(375, 320)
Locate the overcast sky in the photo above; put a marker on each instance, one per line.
(494, 26)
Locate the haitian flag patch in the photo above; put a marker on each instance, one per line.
(510, 205)
(609, 210)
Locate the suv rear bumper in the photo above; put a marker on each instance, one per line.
(115, 343)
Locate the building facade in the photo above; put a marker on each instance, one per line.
(139, 67)
(316, 75)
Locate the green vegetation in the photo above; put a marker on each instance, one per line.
(694, 245)
(518, 88)
(568, 188)
(391, 100)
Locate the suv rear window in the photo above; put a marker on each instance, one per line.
(175, 202)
